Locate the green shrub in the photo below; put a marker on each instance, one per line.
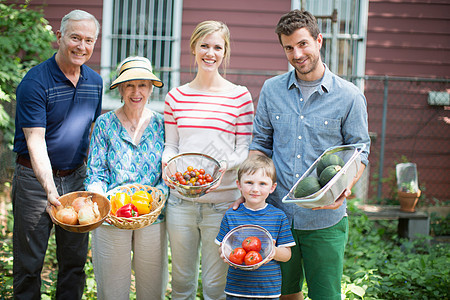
(25, 41)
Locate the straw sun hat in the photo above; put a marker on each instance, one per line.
(136, 69)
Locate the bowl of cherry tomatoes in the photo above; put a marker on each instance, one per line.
(247, 247)
(192, 174)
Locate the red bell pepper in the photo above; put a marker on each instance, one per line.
(127, 211)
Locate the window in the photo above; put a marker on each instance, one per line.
(149, 28)
(345, 39)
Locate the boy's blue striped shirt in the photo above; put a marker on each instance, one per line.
(266, 280)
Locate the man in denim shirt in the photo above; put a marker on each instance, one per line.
(299, 115)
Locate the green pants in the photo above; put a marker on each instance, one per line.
(318, 255)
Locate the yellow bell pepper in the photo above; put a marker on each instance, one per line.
(143, 202)
(119, 200)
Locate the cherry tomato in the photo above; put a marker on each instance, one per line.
(183, 181)
(190, 168)
(252, 258)
(208, 178)
(237, 256)
(177, 174)
(251, 243)
(202, 171)
(193, 180)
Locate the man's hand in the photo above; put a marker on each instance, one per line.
(52, 200)
(237, 202)
(336, 204)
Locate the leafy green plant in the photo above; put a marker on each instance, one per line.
(440, 225)
(25, 40)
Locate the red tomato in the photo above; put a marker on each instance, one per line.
(252, 243)
(252, 258)
(208, 178)
(178, 174)
(237, 256)
(202, 171)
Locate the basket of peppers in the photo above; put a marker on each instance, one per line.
(134, 206)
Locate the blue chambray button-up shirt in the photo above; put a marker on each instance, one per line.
(295, 132)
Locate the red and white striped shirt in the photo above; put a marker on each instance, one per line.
(216, 124)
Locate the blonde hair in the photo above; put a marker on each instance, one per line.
(258, 162)
(207, 27)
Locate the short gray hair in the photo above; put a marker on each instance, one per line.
(78, 15)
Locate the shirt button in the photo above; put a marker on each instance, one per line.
(296, 175)
(298, 156)
(301, 117)
(299, 137)
(277, 117)
(326, 122)
(301, 99)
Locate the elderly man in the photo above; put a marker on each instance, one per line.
(57, 103)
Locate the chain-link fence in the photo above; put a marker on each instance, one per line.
(409, 120)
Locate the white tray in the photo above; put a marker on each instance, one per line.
(336, 186)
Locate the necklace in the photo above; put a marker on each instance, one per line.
(133, 127)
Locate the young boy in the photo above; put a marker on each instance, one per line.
(256, 180)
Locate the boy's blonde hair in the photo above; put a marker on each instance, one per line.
(258, 162)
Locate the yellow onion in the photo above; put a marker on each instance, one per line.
(88, 214)
(79, 202)
(67, 215)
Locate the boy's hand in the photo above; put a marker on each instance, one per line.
(272, 253)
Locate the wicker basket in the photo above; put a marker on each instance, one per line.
(143, 220)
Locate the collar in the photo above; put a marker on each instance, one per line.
(59, 76)
(325, 85)
(254, 209)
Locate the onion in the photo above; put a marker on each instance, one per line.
(67, 215)
(88, 214)
(79, 202)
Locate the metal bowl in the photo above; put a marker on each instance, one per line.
(234, 238)
(104, 206)
(180, 162)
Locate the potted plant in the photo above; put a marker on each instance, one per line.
(408, 195)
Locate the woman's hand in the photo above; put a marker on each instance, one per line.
(222, 170)
(163, 175)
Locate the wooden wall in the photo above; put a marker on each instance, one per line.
(254, 44)
(410, 38)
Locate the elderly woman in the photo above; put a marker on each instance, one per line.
(126, 148)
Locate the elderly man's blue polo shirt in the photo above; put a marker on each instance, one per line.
(46, 98)
(295, 131)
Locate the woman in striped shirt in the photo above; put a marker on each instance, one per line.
(214, 116)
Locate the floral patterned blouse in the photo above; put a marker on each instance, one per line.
(114, 160)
